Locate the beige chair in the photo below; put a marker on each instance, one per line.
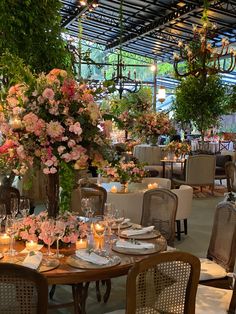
(211, 300)
(185, 199)
(159, 210)
(199, 170)
(162, 283)
(22, 290)
(230, 169)
(221, 252)
(162, 182)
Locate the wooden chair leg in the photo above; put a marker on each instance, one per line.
(108, 290)
(52, 292)
(98, 293)
(178, 230)
(185, 226)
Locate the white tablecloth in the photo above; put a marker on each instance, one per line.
(213, 146)
(148, 154)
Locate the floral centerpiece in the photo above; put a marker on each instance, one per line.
(152, 124)
(124, 171)
(52, 122)
(34, 228)
(178, 148)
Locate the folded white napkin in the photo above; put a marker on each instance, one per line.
(119, 220)
(131, 232)
(33, 260)
(130, 245)
(91, 257)
(39, 247)
(125, 221)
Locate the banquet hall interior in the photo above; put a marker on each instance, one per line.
(118, 156)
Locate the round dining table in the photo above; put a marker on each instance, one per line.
(80, 278)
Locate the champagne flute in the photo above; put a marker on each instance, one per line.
(3, 213)
(59, 233)
(11, 230)
(49, 229)
(14, 206)
(24, 207)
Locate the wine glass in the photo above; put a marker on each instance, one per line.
(14, 206)
(59, 233)
(3, 213)
(49, 230)
(109, 218)
(87, 207)
(119, 217)
(11, 230)
(99, 228)
(24, 206)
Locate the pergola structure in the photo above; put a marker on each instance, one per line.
(151, 28)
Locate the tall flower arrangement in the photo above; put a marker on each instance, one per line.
(152, 124)
(54, 123)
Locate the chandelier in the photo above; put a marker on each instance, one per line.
(201, 57)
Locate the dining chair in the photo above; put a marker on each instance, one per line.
(184, 209)
(22, 290)
(212, 300)
(6, 194)
(159, 209)
(221, 252)
(162, 283)
(230, 169)
(199, 170)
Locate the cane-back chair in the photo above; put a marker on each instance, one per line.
(159, 210)
(230, 169)
(22, 290)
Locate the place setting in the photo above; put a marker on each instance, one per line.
(138, 232)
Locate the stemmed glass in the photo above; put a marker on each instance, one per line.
(14, 206)
(24, 207)
(119, 216)
(49, 229)
(99, 229)
(11, 230)
(109, 218)
(87, 207)
(3, 213)
(59, 233)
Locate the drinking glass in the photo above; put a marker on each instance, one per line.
(59, 233)
(11, 230)
(3, 213)
(99, 228)
(109, 218)
(24, 207)
(49, 229)
(14, 206)
(87, 207)
(119, 217)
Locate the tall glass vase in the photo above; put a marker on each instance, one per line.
(53, 194)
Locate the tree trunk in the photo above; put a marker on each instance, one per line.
(53, 194)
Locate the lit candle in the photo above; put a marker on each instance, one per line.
(165, 158)
(4, 239)
(81, 244)
(31, 246)
(155, 185)
(113, 189)
(150, 186)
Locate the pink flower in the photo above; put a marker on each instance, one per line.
(61, 149)
(55, 129)
(48, 93)
(71, 143)
(75, 128)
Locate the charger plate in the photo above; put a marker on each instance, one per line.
(145, 236)
(77, 262)
(122, 226)
(157, 248)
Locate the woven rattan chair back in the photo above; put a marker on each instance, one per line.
(163, 283)
(6, 193)
(159, 210)
(97, 193)
(22, 290)
(222, 247)
(230, 170)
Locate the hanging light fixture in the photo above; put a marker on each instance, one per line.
(161, 96)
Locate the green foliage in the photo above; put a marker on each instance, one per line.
(200, 100)
(231, 104)
(31, 30)
(67, 181)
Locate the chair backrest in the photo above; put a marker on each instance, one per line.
(185, 200)
(22, 290)
(230, 169)
(159, 210)
(163, 283)
(163, 182)
(200, 170)
(222, 247)
(97, 193)
(6, 193)
(232, 306)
